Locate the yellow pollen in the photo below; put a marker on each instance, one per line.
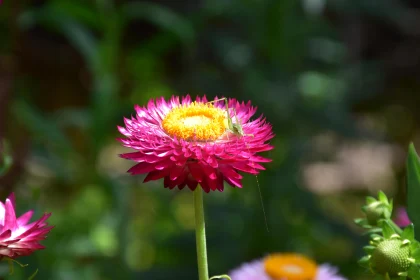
(290, 267)
(196, 121)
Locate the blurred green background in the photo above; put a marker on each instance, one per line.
(338, 80)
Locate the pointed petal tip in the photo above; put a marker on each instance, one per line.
(11, 196)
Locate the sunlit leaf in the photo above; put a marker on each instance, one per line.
(416, 255)
(408, 232)
(387, 229)
(370, 199)
(414, 271)
(382, 197)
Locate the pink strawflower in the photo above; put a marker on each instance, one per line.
(285, 267)
(401, 217)
(188, 143)
(17, 237)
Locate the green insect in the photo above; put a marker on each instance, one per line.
(236, 128)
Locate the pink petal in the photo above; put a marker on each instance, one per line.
(24, 219)
(10, 217)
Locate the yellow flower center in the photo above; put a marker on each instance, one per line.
(290, 267)
(196, 121)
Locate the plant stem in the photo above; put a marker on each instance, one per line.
(200, 234)
(395, 227)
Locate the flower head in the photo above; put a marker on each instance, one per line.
(189, 143)
(401, 218)
(285, 267)
(377, 209)
(395, 254)
(17, 237)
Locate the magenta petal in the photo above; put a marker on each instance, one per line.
(181, 179)
(175, 172)
(212, 184)
(168, 183)
(209, 171)
(12, 199)
(230, 173)
(18, 238)
(184, 162)
(196, 172)
(234, 182)
(24, 219)
(205, 186)
(5, 235)
(155, 175)
(192, 184)
(10, 216)
(140, 168)
(401, 217)
(2, 213)
(35, 232)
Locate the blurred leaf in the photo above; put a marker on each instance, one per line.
(76, 33)
(382, 197)
(364, 261)
(408, 232)
(391, 11)
(370, 199)
(416, 255)
(161, 17)
(82, 40)
(414, 271)
(6, 159)
(387, 230)
(413, 188)
(73, 117)
(80, 11)
(45, 129)
(369, 249)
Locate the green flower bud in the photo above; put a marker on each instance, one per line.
(376, 211)
(391, 256)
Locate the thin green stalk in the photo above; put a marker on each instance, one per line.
(395, 227)
(200, 235)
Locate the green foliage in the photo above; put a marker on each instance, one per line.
(392, 253)
(71, 69)
(6, 159)
(413, 187)
(12, 269)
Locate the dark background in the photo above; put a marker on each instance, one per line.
(337, 79)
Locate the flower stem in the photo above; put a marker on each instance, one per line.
(395, 227)
(200, 234)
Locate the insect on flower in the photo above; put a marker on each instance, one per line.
(187, 142)
(236, 129)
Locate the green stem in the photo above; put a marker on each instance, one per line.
(395, 227)
(200, 234)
